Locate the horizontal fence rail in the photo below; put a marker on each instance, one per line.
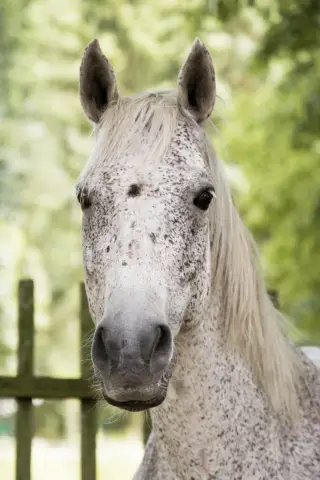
(26, 386)
(45, 387)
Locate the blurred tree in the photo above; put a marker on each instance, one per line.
(277, 143)
(13, 24)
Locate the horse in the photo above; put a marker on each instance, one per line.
(184, 325)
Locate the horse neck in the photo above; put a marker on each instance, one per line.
(211, 391)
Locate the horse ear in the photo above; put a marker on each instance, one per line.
(97, 82)
(196, 83)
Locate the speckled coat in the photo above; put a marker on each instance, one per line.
(237, 401)
(216, 424)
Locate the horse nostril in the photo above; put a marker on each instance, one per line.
(100, 338)
(163, 337)
(161, 347)
(99, 349)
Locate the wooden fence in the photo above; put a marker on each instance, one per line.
(26, 386)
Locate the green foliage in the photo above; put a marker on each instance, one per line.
(277, 144)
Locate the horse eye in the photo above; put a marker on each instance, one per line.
(83, 199)
(203, 200)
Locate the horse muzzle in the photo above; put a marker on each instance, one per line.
(133, 361)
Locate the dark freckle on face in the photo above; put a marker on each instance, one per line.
(108, 249)
(153, 237)
(134, 190)
(133, 224)
(124, 264)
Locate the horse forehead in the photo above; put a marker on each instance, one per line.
(171, 171)
(182, 161)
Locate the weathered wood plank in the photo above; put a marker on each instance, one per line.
(88, 407)
(24, 431)
(88, 439)
(24, 423)
(45, 387)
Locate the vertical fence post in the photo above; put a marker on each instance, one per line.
(88, 407)
(24, 421)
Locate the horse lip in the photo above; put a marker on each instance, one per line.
(137, 405)
(136, 401)
(128, 394)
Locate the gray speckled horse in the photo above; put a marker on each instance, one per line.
(183, 320)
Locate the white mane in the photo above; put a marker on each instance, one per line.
(253, 325)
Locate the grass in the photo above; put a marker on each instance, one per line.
(117, 459)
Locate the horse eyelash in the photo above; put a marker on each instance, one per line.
(212, 190)
(209, 188)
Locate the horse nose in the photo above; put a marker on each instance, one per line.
(148, 348)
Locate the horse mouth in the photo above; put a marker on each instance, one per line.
(141, 404)
(137, 405)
